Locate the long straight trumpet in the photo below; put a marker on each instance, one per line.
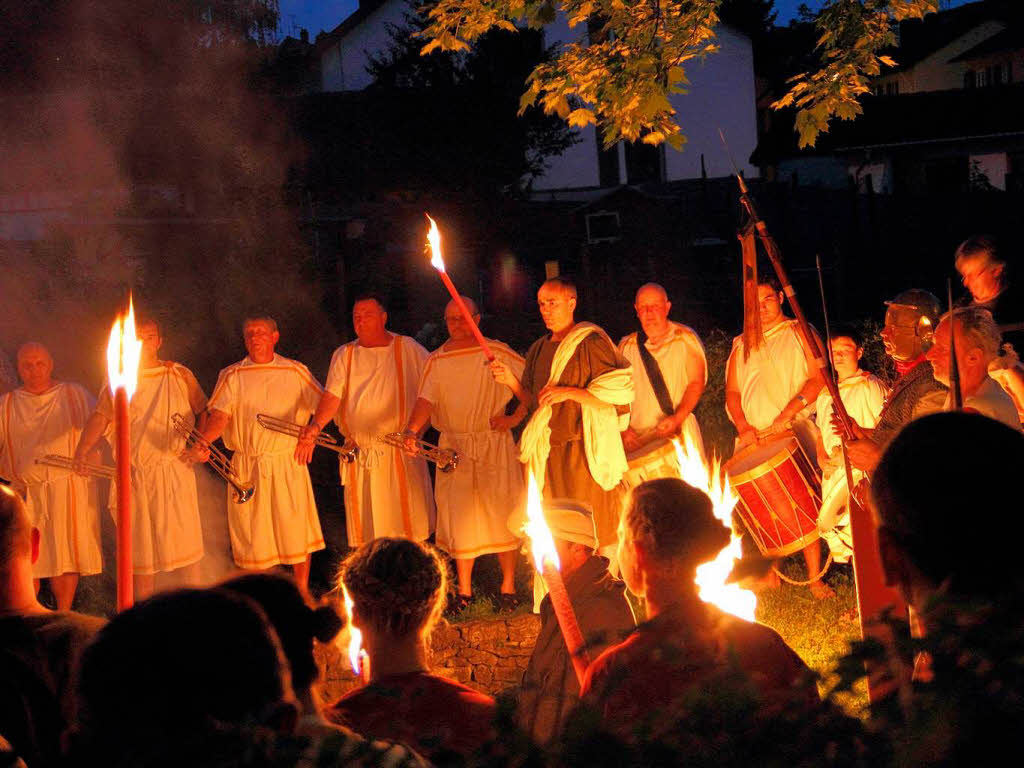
(348, 455)
(446, 459)
(64, 462)
(218, 462)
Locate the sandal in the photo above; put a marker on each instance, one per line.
(508, 602)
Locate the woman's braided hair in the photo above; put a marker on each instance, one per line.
(397, 584)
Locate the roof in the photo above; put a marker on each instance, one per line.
(1008, 40)
(920, 38)
(353, 20)
(916, 118)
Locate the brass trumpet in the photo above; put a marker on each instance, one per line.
(348, 455)
(446, 459)
(63, 462)
(218, 462)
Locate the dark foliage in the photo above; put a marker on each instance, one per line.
(444, 122)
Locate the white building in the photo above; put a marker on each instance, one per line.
(721, 96)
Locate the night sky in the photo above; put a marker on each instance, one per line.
(315, 15)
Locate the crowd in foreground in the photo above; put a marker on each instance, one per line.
(227, 675)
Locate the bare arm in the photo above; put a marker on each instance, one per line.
(420, 416)
(325, 411)
(503, 375)
(734, 406)
(91, 433)
(552, 394)
(210, 429)
(808, 392)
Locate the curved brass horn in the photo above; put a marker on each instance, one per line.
(64, 462)
(347, 454)
(446, 459)
(218, 462)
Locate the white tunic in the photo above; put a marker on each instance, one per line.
(279, 524)
(864, 397)
(166, 532)
(61, 504)
(475, 500)
(990, 400)
(773, 374)
(671, 353)
(387, 493)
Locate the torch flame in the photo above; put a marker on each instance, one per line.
(123, 352)
(355, 637)
(541, 541)
(434, 241)
(711, 576)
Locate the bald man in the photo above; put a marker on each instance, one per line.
(371, 388)
(47, 416)
(468, 407)
(578, 388)
(669, 374)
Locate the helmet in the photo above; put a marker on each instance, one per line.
(927, 309)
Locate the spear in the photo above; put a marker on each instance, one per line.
(873, 596)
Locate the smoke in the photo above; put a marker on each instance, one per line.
(139, 154)
(140, 150)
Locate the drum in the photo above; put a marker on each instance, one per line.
(648, 462)
(780, 494)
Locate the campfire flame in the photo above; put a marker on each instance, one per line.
(434, 241)
(542, 543)
(711, 576)
(123, 353)
(356, 654)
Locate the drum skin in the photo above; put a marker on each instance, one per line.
(780, 495)
(651, 461)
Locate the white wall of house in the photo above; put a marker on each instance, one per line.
(994, 166)
(721, 95)
(343, 64)
(936, 72)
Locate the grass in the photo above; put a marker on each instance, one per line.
(818, 630)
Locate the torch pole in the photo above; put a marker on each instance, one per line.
(466, 314)
(123, 482)
(566, 620)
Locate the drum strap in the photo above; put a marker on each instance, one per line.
(654, 374)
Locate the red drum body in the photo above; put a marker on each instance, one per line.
(780, 495)
(651, 461)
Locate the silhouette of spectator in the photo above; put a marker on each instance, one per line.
(297, 626)
(398, 589)
(38, 647)
(643, 684)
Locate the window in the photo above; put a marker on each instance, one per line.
(892, 88)
(970, 79)
(602, 227)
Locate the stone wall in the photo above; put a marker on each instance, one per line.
(487, 654)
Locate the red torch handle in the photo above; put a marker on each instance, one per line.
(567, 620)
(125, 598)
(466, 314)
